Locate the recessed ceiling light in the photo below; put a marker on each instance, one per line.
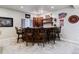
(52, 7)
(21, 7)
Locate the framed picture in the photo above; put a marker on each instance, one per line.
(62, 15)
(6, 22)
(73, 19)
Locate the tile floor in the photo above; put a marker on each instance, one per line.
(61, 47)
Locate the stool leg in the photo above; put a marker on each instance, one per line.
(43, 44)
(38, 44)
(33, 43)
(22, 39)
(26, 44)
(59, 36)
(54, 41)
(18, 39)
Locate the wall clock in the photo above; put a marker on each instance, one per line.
(73, 19)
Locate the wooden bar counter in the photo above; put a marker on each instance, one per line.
(39, 34)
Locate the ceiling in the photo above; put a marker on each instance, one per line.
(35, 9)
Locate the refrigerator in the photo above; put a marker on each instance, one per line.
(27, 22)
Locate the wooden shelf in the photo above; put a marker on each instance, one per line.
(48, 18)
(48, 21)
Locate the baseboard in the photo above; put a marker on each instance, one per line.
(75, 42)
(8, 38)
(71, 41)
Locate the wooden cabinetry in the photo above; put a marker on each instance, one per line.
(37, 21)
(40, 21)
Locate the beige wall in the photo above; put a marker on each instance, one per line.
(9, 32)
(70, 32)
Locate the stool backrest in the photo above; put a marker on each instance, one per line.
(18, 31)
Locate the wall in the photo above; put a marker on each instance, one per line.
(9, 32)
(70, 31)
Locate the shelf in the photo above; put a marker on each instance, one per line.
(47, 22)
(48, 18)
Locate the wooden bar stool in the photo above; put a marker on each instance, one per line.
(29, 36)
(19, 33)
(52, 35)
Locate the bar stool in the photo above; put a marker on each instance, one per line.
(42, 36)
(19, 33)
(52, 35)
(29, 36)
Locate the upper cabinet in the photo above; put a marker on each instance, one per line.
(37, 21)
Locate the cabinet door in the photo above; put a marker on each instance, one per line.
(38, 21)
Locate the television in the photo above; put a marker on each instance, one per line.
(6, 22)
(27, 15)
